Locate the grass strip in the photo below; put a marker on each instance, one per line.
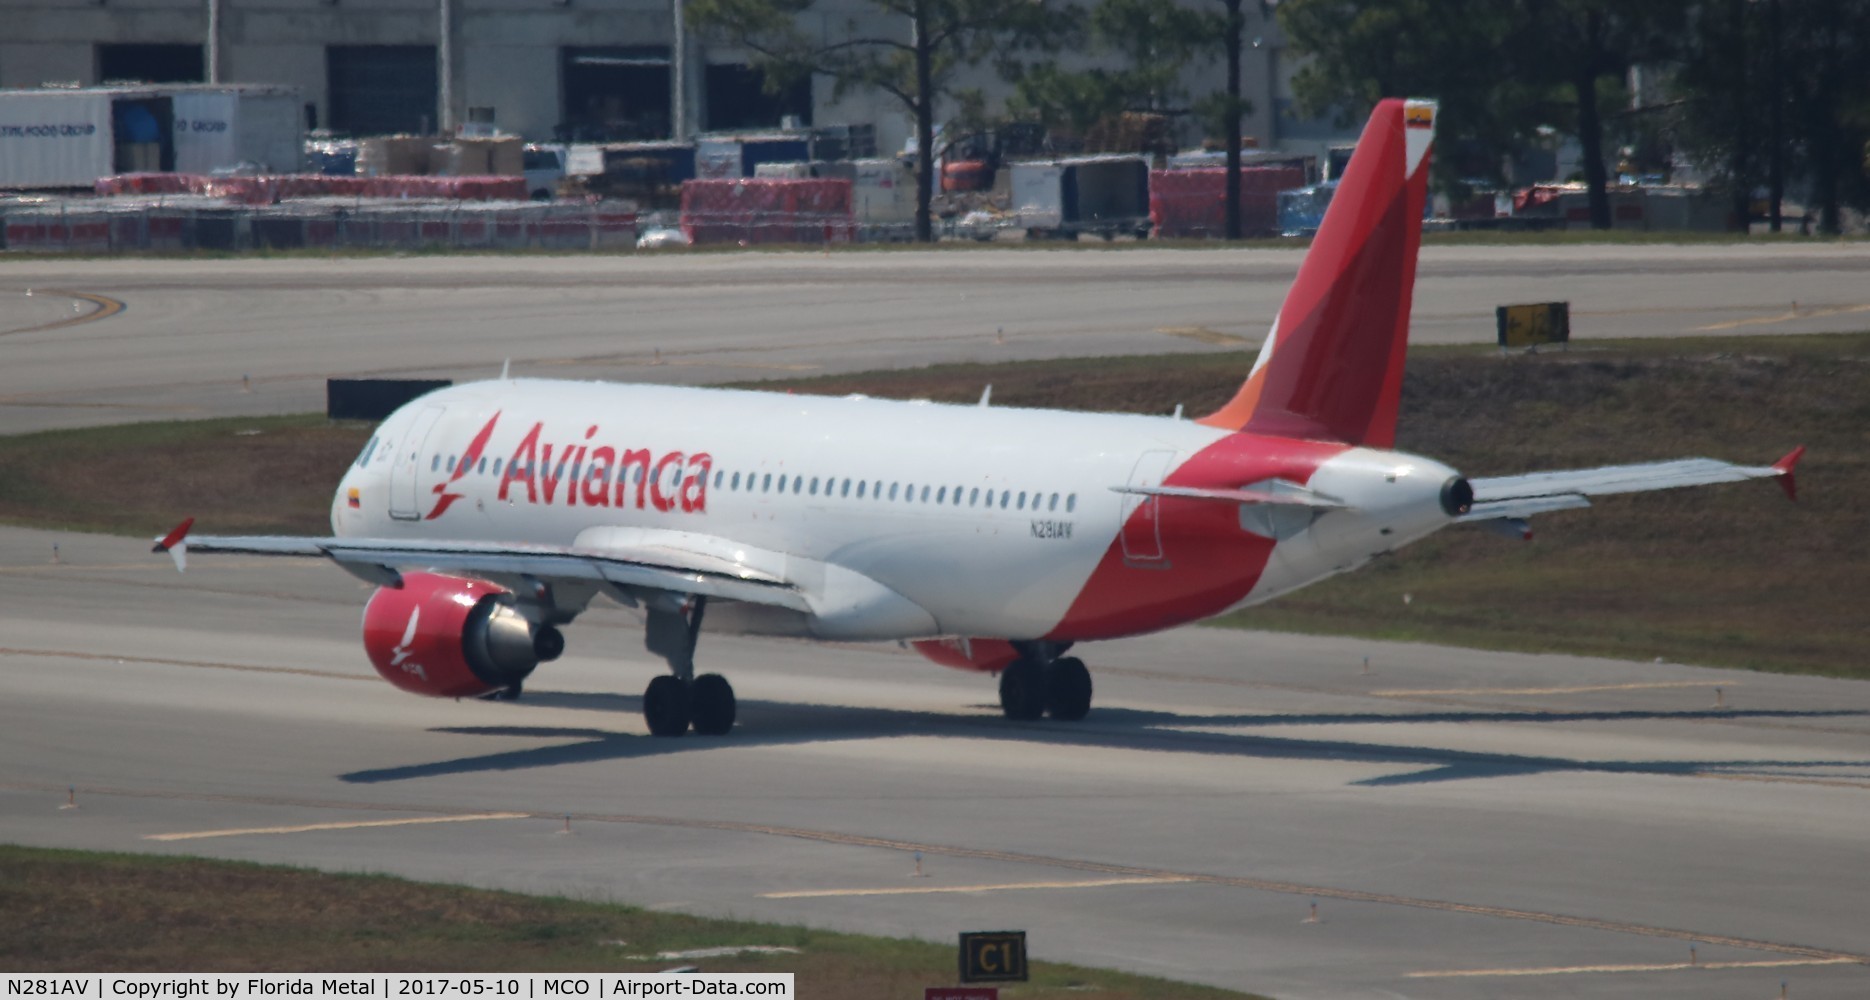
(76, 911)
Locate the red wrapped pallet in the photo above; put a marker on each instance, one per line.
(754, 210)
(1193, 203)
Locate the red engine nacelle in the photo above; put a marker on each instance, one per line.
(451, 637)
(987, 655)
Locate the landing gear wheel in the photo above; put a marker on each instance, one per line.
(711, 704)
(665, 706)
(1022, 690)
(1067, 689)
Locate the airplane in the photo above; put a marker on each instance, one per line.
(491, 514)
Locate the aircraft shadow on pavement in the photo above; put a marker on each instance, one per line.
(771, 723)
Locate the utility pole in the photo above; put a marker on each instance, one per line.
(445, 59)
(1775, 165)
(214, 41)
(678, 110)
(1236, 27)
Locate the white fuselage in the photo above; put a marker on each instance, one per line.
(903, 519)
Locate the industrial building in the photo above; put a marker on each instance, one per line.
(574, 70)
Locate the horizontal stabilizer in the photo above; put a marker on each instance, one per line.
(1507, 497)
(1611, 479)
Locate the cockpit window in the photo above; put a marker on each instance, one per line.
(365, 456)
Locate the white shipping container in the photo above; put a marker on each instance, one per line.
(217, 129)
(883, 191)
(1038, 195)
(68, 138)
(52, 138)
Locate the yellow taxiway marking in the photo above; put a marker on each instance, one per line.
(65, 654)
(1575, 689)
(1813, 313)
(1204, 335)
(358, 825)
(923, 890)
(1563, 970)
(106, 307)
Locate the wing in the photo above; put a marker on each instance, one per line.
(1510, 497)
(641, 568)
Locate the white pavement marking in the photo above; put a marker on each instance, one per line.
(1575, 689)
(1565, 970)
(920, 890)
(309, 827)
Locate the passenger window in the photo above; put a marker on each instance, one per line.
(766, 485)
(973, 496)
(815, 486)
(957, 496)
(451, 463)
(798, 484)
(1006, 497)
(435, 463)
(941, 495)
(860, 489)
(925, 494)
(497, 463)
(719, 474)
(481, 469)
(782, 482)
(1022, 499)
(734, 484)
(1054, 504)
(892, 491)
(847, 489)
(1071, 502)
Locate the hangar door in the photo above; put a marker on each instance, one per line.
(150, 63)
(616, 93)
(382, 89)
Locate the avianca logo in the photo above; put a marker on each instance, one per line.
(468, 461)
(595, 475)
(406, 648)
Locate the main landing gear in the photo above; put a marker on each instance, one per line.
(1041, 682)
(678, 700)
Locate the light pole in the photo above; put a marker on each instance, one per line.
(445, 60)
(679, 68)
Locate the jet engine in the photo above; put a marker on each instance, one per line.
(453, 637)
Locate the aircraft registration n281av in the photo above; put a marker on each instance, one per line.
(492, 514)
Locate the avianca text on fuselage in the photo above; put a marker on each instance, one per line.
(587, 472)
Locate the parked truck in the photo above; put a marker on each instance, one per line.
(1063, 199)
(68, 138)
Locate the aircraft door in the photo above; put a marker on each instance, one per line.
(1140, 527)
(408, 468)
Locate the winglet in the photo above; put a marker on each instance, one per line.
(1785, 467)
(175, 543)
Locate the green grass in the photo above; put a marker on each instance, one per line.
(1729, 575)
(73, 911)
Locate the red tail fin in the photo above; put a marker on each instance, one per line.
(1332, 366)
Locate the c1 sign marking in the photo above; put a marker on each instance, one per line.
(993, 956)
